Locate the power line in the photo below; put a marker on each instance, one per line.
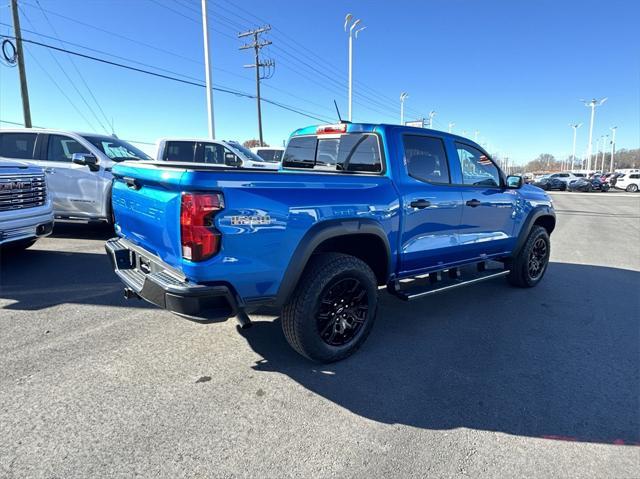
(84, 81)
(70, 80)
(179, 80)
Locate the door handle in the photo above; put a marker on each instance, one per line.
(473, 203)
(49, 170)
(420, 204)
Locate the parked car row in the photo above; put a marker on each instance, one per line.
(597, 181)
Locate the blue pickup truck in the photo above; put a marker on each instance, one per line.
(355, 207)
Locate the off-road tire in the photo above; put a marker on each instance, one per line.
(520, 274)
(299, 314)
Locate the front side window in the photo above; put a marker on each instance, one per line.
(426, 158)
(61, 148)
(477, 168)
(17, 145)
(214, 153)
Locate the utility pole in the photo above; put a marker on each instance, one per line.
(403, 97)
(592, 104)
(451, 125)
(575, 131)
(257, 45)
(24, 91)
(613, 146)
(207, 71)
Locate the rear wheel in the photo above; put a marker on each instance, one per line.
(632, 188)
(528, 268)
(333, 308)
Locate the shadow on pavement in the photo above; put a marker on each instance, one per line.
(560, 361)
(36, 279)
(98, 230)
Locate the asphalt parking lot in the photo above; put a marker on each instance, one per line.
(487, 381)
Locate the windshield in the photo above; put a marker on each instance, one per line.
(115, 149)
(246, 152)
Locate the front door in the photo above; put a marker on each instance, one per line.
(489, 209)
(74, 188)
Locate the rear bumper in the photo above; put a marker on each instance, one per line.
(148, 277)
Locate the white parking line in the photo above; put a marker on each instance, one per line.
(615, 194)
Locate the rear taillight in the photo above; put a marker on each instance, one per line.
(200, 240)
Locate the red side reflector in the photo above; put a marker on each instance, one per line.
(200, 240)
(331, 129)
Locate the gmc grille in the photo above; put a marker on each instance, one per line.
(18, 192)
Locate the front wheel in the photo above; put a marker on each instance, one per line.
(529, 266)
(333, 308)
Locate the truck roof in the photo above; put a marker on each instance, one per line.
(377, 127)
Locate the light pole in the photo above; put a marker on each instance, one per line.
(592, 104)
(575, 131)
(604, 150)
(432, 113)
(613, 146)
(207, 71)
(403, 96)
(353, 32)
(451, 125)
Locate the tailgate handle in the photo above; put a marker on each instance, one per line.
(131, 183)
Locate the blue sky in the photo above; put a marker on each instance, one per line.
(513, 70)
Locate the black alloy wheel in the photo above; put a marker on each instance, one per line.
(342, 311)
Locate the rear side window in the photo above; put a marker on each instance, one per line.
(426, 158)
(180, 151)
(350, 152)
(17, 145)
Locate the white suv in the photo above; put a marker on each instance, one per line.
(77, 167)
(629, 182)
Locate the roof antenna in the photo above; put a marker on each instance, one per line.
(337, 110)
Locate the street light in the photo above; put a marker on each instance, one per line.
(604, 150)
(575, 131)
(353, 32)
(403, 97)
(592, 104)
(613, 146)
(432, 113)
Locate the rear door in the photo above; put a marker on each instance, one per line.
(74, 188)
(432, 207)
(489, 208)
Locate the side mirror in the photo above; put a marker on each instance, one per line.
(85, 159)
(232, 160)
(514, 182)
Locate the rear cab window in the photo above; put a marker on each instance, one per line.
(183, 151)
(347, 152)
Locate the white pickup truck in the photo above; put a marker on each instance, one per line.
(26, 213)
(211, 152)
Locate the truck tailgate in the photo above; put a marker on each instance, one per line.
(146, 200)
